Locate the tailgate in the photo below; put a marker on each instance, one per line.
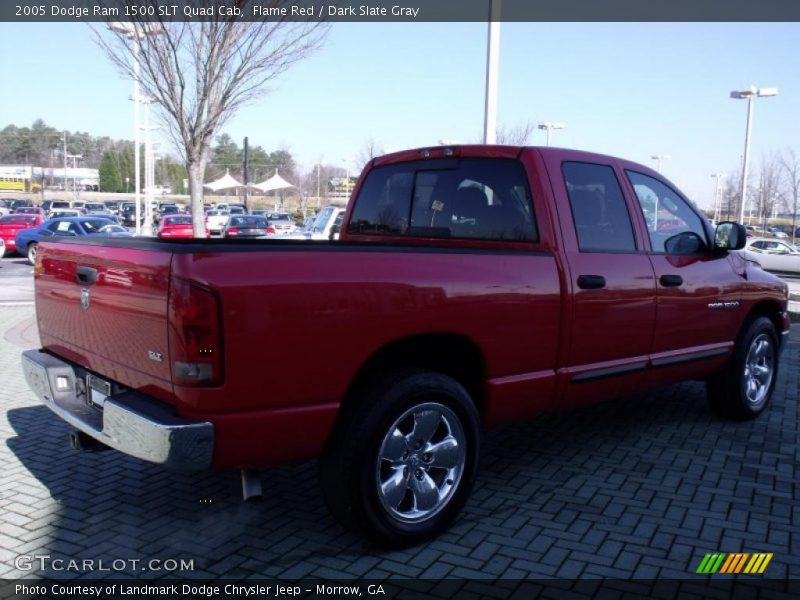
(105, 308)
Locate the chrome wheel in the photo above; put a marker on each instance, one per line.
(759, 368)
(420, 462)
(32, 253)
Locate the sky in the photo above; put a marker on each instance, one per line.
(627, 89)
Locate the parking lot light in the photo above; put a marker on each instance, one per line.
(749, 94)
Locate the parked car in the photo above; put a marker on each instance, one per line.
(322, 227)
(165, 209)
(28, 210)
(105, 214)
(775, 255)
(55, 205)
(177, 226)
(95, 207)
(2, 248)
(282, 222)
(4, 209)
(243, 226)
(77, 204)
(65, 212)
(216, 220)
(781, 235)
(236, 210)
(11, 225)
(129, 215)
(472, 285)
(16, 203)
(27, 240)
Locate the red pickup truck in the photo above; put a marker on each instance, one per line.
(471, 285)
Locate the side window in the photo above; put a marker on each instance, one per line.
(601, 218)
(383, 205)
(470, 198)
(672, 225)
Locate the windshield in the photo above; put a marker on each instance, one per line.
(249, 222)
(322, 219)
(169, 209)
(279, 217)
(94, 206)
(59, 205)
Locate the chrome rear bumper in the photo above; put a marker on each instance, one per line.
(128, 421)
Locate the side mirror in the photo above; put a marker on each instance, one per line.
(729, 236)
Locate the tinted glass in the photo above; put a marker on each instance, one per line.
(667, 216)
(471, 198)
(93, 225)
(178, 220)
(601, 218)
(248, 222)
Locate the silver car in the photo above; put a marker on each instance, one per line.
(774, 255)
(282, 222)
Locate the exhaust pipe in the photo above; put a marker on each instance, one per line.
(80, 441)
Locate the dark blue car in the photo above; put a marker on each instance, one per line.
(28, 239)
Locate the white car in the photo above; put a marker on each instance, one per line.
(322, 228)
(774, 255)
(281, 222)
(216, 221)
(2, 247)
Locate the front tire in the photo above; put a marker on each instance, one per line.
(401, 463)
(33, 248)
(743, 390)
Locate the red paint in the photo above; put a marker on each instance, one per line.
(298, 321)
(11, 225)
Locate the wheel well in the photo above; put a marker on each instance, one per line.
(450, 354)
(769, 309)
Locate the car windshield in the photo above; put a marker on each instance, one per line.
(94, 225)
(249, 222)
(178, 220)
(322, 219)
(236, 210)
(169, 209)
(279, 217)
(59, 205)
(94, 206)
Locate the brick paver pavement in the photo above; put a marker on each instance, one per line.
(640, 487)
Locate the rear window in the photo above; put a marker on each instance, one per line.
(178, 220)
(17, 219)
(249, 222)
(471, 198)
(60, 205)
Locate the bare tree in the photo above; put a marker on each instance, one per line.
(200, 73)
(369, 150)
(731, 195)
(518, 135)
(768, 193)
(790, 165)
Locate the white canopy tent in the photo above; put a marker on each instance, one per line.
(276, 182)
(226, 182)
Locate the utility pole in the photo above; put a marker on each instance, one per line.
(318, 167)
(244, 174)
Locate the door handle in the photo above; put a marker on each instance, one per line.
(670, 280)
(591, 282)
(86, 275)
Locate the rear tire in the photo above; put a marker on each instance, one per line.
(401, 462)
(33, 248)
(743, 390)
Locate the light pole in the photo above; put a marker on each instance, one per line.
(149, 170)
(135, 34)
(548, 126)
(660, 158)
(318, 168)
(717, 203)
(492, 74)
(749, 94)
(74, 158)
(127, 181)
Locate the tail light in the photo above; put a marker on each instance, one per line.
(270, 230)
(195, 334)
(232, 231)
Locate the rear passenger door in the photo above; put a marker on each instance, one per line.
(611, 283)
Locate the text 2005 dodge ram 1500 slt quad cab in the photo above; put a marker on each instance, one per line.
(471, 285)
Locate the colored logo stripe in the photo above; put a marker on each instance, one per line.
(734, 563)
(758, 563)
(710, 563)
